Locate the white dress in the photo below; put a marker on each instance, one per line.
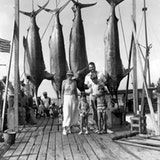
(70, 103)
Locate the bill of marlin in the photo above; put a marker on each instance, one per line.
(58, 63)
(34, 67)
(78, 60)
(114, 70)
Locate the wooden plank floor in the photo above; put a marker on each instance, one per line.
(44, 142)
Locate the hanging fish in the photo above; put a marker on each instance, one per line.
(78, 60)
(114, 70)
(58, 63)
(34, 67)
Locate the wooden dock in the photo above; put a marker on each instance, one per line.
(44, 142)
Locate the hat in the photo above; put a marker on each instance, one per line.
(44, 93)
(69, 72)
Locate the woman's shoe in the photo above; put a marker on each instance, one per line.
(69, 131)
(64, 132)
(86, 132)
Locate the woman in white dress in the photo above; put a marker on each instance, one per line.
(70, 103)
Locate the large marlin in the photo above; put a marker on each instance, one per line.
(114, 69)
(78, 61)
(34, 67)
(58, 63)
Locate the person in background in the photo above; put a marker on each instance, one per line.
(92, 79)
(51, 110)
(46, 102)
(101, 109)
(70, 103)
(41, 108)
(84, 113)
(55, 110)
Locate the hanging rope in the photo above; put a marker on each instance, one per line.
(47, 26)
(123, 33)
(138, 33)
(32, 5)
(57, 3)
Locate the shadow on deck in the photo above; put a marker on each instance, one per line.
(44, 142)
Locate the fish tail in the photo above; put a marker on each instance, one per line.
(114, 2)
(83, 5)
(30, 14)
(57, 10)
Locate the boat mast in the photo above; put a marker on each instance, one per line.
(146, 38)
(135, 92)
(16, 63)
(146, 65)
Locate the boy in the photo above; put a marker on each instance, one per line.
(84, 112)
(101, 109)
(41, 109)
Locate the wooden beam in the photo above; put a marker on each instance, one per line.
(158, 110)
(16, 63)
(6, 85)
(146, 65)
(135, 93)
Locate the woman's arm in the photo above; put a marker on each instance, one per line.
(62, 91)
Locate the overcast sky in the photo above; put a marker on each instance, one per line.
(94, 20)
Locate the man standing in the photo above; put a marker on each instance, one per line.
(47, 102)
(100, 78)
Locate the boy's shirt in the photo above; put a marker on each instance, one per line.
(101, 102)
(83, 107)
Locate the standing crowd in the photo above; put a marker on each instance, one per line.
(77, 111)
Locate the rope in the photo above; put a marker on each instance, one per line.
(123, 33)
(47, 26)
(57, 3)
(32, 5)
(138, 33)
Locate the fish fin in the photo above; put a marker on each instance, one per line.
(115, 2)
(26, 13)
(24, 42)
(48, 76)
(81, 72)
(27, 61)
(55, 88)
(83, 5)
(126, 72)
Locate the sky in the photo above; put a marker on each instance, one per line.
(94, 20)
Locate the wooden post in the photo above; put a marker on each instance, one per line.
(135, 92)
(158, 109)
(146, 65)
(6, 86)
(145, 87)
(16, 64)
